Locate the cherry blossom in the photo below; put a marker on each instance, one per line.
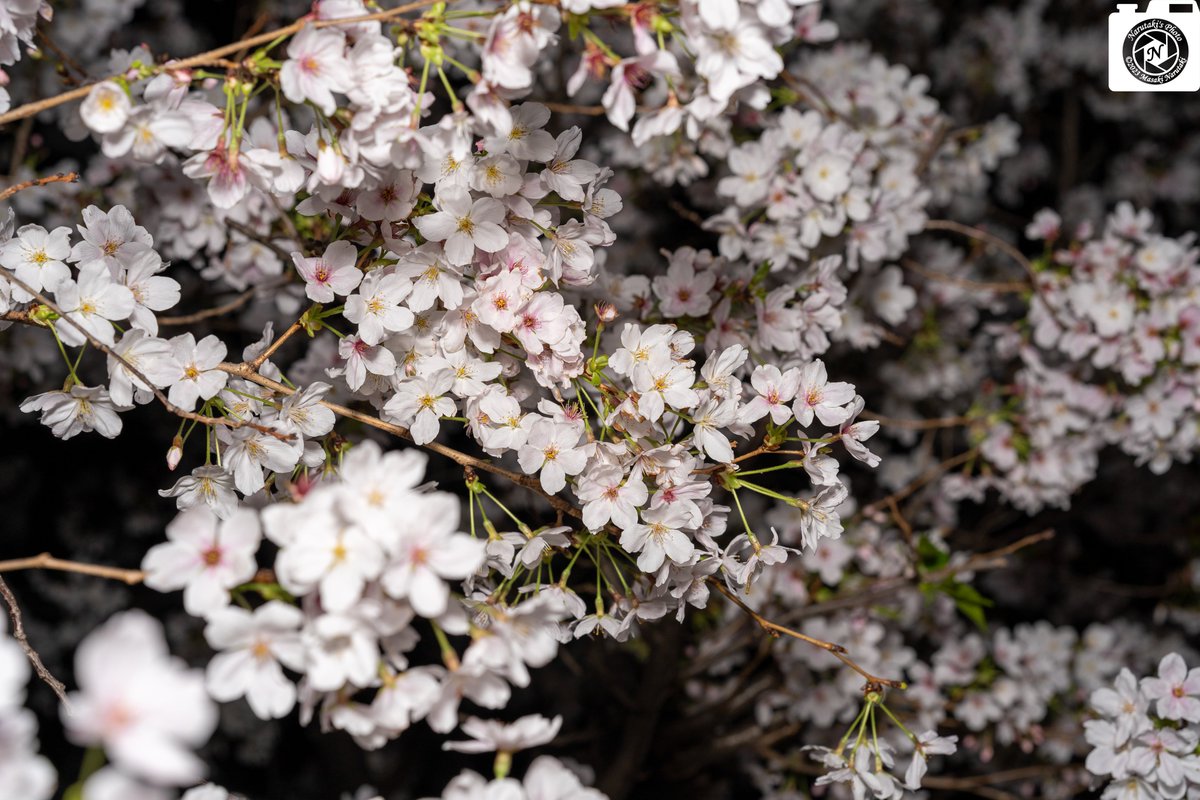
(205, 556)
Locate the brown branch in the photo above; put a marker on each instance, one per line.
(931, 475)
(20, 146)
(63, 56)
(980, 235)
(935, 144)
(213, 56)
(247, 372)
(901, 523)
(257, 25)
(255, 236)
(225, 308)
(687, 213)
(1003, 287)
(980, 562)
(918, 424)
(158, 394)
(131, 577)
(810, 92)
(257, 363)
(874, 682)
(14, 613)
(62, 177)
(569, 108)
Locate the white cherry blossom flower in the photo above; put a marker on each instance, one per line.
(254, 646)
(489, 736)
(205, 556)
(37, 258)
(464, 225)
(316, 67)
(93, 303)
(147, 710)
(194, 373)
(106, 108)
(659, 537)
(420, 403)
(816, 396)
(430, 555)
(1175, 690)
(552, 448)
(375, 308)
(333, 273)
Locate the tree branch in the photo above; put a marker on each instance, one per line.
(225, 308)
(14, 613)
(980, 562)
(247, 372)
(62, 177)
(874, 682)
(131, 577)
(212, 56)
(162, 398)
(1009, 287)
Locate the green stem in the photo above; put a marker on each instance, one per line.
(62, 349)
(745, 522)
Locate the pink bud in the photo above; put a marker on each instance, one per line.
(175, 454)
(607, 312)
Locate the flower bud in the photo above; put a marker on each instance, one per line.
(175, 454)
(607, 312)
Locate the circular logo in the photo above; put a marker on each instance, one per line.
(1155, 51)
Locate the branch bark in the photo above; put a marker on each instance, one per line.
(213, 56)
(14, 613)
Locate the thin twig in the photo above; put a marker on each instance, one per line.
(836, 650)
(257, 363)
(225, 308)
(980, 562)
(901, 523)
(132, 577)
(918, 424)
(980, 235)
(208, 58)
(63, 56)
(254, 236)
(935, 144)
(1002, 287)
(20, 146)
(14, 613)
(932, 474)
(158, 394)
(687, 213)
(62, 177)
(568, 108)
(247, 372)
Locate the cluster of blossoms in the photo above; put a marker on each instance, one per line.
(1106, 356)
(1023, 688)
(405, 192)
(1147, 732)
(17, 22)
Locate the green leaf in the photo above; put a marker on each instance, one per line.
(931, 557)
(967, 599)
